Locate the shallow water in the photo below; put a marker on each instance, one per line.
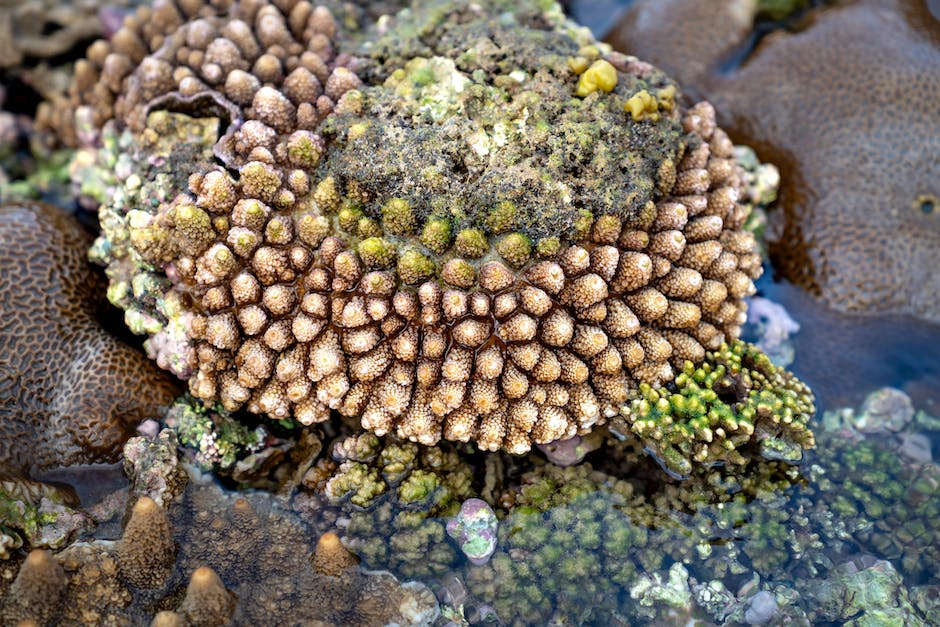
(850, 534)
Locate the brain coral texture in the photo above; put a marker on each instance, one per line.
(69, 392)
(495, 242)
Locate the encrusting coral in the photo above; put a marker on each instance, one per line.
(858, 219)
(494, 243)
(69, 392)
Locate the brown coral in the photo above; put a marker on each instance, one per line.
(847, 108)
(246, 562)
(330, 557)
(146, 552)
(337, 300)
(207, 602)
(46, 28)
(36, 592)
(69, 392)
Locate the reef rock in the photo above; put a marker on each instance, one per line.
(69, 392)
(847, 107)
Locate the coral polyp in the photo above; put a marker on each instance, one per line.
(449, 241)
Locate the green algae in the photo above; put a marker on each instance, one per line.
(646, 547)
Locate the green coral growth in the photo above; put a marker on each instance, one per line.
(436, 235)
(616, 530)
(398, 217)
(734, 397)
(215, 439)
(471, 243)
(514, 248)
(414, 267)
(376, 252)
(397, 497)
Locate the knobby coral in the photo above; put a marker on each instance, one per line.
(69, 392)
(494, 237)
(846, 107)
(204, 557)
(44, 29)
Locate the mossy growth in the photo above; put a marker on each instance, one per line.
(304, 150)
(48, 522)
(327, 195)
(398, 218)
(213, 438)
(436, 235)
(471, 243)
(414, 267)
(377, 252)
(502, 217)
(548, 247)
(734, 397)
(349, 216)
(357, 482)
(515, 248)
(521, 152)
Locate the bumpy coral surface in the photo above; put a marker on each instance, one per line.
(735, 394)
(204, 557)
(493, 237)
(859, 225)
(69, 392)
(42, 29)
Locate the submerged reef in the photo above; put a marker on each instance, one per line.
(858, 222)
(391, 501)
(610, 539)
(192, 554)
(498, 237)
(70, 392)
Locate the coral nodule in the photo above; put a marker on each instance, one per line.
(497, 236)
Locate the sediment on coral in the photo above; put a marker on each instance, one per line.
(573, 234)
